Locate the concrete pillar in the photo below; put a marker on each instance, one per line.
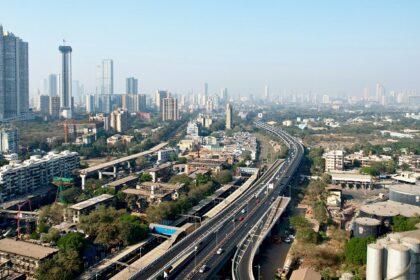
(99, 174)
(83, 176)
(115, 171)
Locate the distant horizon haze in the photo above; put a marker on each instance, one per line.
(324, 47)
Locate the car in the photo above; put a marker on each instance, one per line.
(219, 251)
(287, 240)
(241, 218)
(203, 268)
(243, 211)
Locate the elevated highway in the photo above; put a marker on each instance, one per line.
(231, 225)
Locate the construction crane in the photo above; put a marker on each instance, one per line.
(61, 183)
(20, 215)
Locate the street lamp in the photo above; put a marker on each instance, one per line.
(216, 235)
(259, 267)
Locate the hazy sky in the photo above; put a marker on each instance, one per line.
(323, 46)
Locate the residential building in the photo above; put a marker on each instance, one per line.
(131, 86)
(19, 178)
(14, 77)
(229, 112)
(43, 104)
(193, 129)
(54, 106)
(334, 160)
(104, 103)
(90, 103)
(66, 82)
(166, 154)
(24, 257)
(134, 103)
(412, 160)
(89, 205)
(170, 109)
(119, 120)
(159, 96)
(9, 140)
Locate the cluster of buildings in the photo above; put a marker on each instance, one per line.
(22, 178)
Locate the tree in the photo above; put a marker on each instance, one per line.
(52, 236)
(52, 214)
(223, 177)
(299, 222)
(70, 195)
(356, 250)
(71, 241)
(145, 177)
(405, 167)
(320, 212)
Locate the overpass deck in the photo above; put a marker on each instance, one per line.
(121, 160)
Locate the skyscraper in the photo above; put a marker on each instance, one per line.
(229, 110)
(90, 103)
(159, 96)
(170, 109)
(52, 85)
(14, 76)
(266, 93)
(224, 95)
(105, 77)
(66, 82)
(131, 86)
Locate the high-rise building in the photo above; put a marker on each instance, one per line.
(134, 103)
(325, 99)
(119, 120)
(131, 86)
(266, 93)
(105, 77)
(43, 104)
(334, 160)
(105, 105)
(14, 76)
(54, 106)
(229, 113)
(224, 95)
(9, 140)
(90, 103)
(159, 96)
(51, 85)
(66, 82)
(170, 109)
(380, 92)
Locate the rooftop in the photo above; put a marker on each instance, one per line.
(25, 249)
(123, 181)
(406, 189)
(390, 208)
(91, 201)
(305, 274)
(351, 177)
(367, 221)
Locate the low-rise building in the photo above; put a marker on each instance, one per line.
(89, 205)
(24, 257)
(166, 154)
(19, 178)
(412, 160)
(118, 138)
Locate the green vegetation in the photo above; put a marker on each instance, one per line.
(304, 230)
(379, 168)
(317, 162)
(145, 177)
(223, 177)
(356, 250)
(400, 223)
(109, 227)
